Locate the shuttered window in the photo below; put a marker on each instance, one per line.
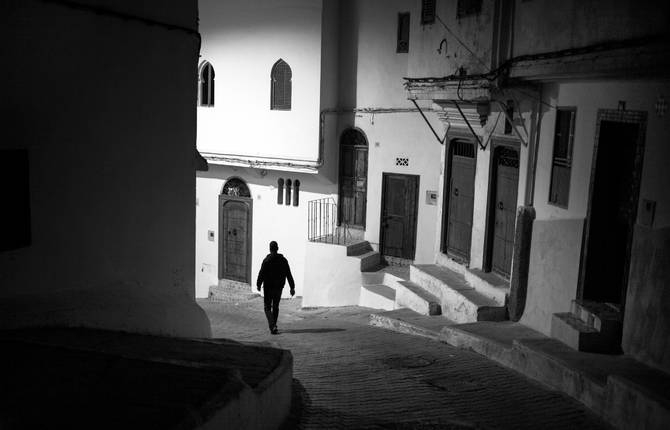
(403, 33)
(561, 166)
(207, 85)
(427, 12)
(468, 7)
(280, 81)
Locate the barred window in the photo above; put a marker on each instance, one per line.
(280, 191)
(468, 7)
(427, 12)
(561, 166)
(280, 90)
(206, 84)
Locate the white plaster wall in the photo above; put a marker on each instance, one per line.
(105, 108)
(588, 97)
(285, 224)
(243, 39)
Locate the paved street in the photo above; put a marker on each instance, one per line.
(351, 375)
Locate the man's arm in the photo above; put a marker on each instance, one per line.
(261, 277)
(289, 277)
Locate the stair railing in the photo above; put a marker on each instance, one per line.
(322, 225)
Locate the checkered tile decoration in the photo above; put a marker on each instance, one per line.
(661, 106)
(402, 161)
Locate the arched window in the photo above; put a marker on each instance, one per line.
(296, 192)
(206, 84)
(288, 192)
(280, 86)
(236, 187)
(280, 191)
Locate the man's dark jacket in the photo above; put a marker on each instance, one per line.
(274, 273)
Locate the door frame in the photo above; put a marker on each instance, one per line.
(628, 117)
(339, 177)
(416, 210)
(496, 142)
(250, 202)
(447, 195)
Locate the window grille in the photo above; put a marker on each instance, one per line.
(463, 148)
(427, 12)
(207, 85)
(468, 7)
(403, 33)
(236, 187)
(280, 191)
(402, 161)
(280, 91)
(561, 166)
(508, 157)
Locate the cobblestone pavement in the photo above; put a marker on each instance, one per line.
(349, 375)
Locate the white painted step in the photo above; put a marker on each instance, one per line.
(377, 297)
(460, 302)
(487, 284)
(412, 296)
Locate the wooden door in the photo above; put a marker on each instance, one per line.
(235, 249)
(399, 214)
(613, 208)
(353, 178)
(460, 199)
(504, 209)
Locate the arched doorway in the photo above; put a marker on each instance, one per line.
(502, 209)
(235, 210)
(353, 178)
(459, 201)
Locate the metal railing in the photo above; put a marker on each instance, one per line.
(322, 223)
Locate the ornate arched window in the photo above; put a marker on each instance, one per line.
(296, 192)
(280, 191)
(206, 79)
(287, 200)
(280, 86)
(236, 187)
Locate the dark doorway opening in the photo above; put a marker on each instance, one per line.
(400, 195)
(353, 178)
(615, 178)
(235, 221)
(459, 199)
(502, 210)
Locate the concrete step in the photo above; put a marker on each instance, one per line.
(409, 322)
(412, 296)
(601, 316)
(577, 334)
(359, 248)
(460, 302)
(487, 283)
(369, 260)
(377, 297)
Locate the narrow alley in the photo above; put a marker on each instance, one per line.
(348, 374)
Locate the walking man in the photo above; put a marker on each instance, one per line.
(273, 274)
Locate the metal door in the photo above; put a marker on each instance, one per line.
(504, 210)
(235, 232)
(399, 214)
(353, 178)
(460, 199)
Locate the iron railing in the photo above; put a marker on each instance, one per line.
(322, 225)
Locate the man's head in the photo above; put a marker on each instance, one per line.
(274, 247)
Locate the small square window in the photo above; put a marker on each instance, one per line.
(427, 12)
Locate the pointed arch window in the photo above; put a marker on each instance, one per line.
(280, 191)
(289, 184)
(280, 90)
(296, 192)
(206, 89)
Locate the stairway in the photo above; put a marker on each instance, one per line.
(449, 289)
(589, 327)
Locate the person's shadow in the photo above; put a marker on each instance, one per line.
(313, 330)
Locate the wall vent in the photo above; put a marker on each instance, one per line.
(402, 161)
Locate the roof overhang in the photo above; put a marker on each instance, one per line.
(267, 163)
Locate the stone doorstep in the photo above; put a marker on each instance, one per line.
(487, 284)
(411, 295)
(359, 248)
(598, 315)
(377, 297)
(223, 383)
(578, 335)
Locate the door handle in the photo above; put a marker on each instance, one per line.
(456, 192)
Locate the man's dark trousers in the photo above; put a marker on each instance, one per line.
(271, 299)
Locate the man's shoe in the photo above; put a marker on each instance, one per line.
(274, 330)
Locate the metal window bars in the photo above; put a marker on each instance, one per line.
(322, 223)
